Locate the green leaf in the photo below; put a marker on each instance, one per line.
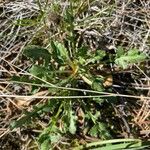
(72, 126)
(81, 60)
(42, 72)
(133, 52)
(37, 53)
(26, 22)
(103, 131)
(55, 137)
(36, 70)
(82, 51)
(94, 131)
(23, 121)
(131, 57)
(119, 146)
(20, 79)
(97, 84)
(68, 17)
(98, 56)
(60, 53)
(92, 117)
(99, 130)
(49, 136)
(120, 51)
(98, 100)
(46, 145)
(115, 144)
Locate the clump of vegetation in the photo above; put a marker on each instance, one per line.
(81, 105)
(77, 76)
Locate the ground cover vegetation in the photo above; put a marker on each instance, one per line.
(74, 74)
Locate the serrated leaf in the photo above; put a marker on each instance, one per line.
(100, 130)
(120, 51)
(132, 52)
(94, 131)
(99, 55)
(103, 131)
(131, 57)
(37, 53)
